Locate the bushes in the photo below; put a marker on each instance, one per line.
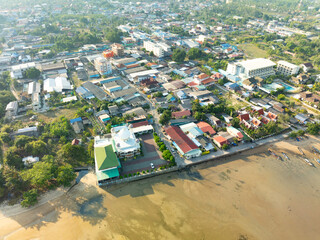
(30, 198)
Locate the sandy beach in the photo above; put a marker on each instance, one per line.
(251, 195)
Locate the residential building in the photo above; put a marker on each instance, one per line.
(77, 125)
(182, 142)
(103, 66)
(107, 164)
(206, 128)
(181, 114)
(287, 69)
(306, 67)
(27, 131)
(220, 141)
(125, 142)
(17, 71)
(117, 49)
(155, 48)
(301, 78)
(235, 132)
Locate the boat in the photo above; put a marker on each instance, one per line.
(308, 162)
(317, 160)
(285, 155)
(301, 151)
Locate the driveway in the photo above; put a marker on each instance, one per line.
(142, 163)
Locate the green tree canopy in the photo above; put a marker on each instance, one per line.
(178, 55)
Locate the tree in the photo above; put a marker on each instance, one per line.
(313, 128)
(36, 148)
(32, 73)
(221, 82)
(194, 53)
(73, 154)
(281, 97)
(13, 158)
(178, 55)
(66, 175)
(225, 146)
(235, 122)
(165, 117)
(5, 137)
(30, 198)
(40, 174)
(199, 116)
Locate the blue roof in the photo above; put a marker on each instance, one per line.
(79, 119)
(195, 131)
(81, 90)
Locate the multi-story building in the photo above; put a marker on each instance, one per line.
(259, 67)
(155, 48)
(103, 66)
(125, 143)
(286, 68)
(117, 49)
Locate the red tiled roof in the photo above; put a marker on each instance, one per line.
(240, 135)
(221, 140)
(272, 116)
(259, 110)
(244, 116)
(209, 80)
(181, 114)
(202, 76)
(206, 128)
(132, 66)
(265, 120)
(181, 139)
(139, 124)
(256, 122)
(192, 84)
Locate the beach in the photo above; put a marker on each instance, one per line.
(250, 195)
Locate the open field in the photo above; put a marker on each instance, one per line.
(252, 51)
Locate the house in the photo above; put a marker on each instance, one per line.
(104, 118)
(301, 118)
(181, 114)
(201, 94)
(27, 131)
(227, 118)
(206, 128)
(235, 133)
(250, 84)
(12, 109)
(181, 95)
(170, 98)
(114, 110)
(232, 87)
(182, 142)
(107, 164)
(30, 160)
(75, 142)
(306, 67)
(185, 104)
(77, 125)
(301, 78)
(220, 141)
(142, 127)
(204, 143)
(214, 120)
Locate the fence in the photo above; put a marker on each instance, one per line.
(139, 177)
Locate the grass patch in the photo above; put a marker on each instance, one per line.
(252, 51)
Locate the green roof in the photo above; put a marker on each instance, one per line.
(106, 158)
(109, 173)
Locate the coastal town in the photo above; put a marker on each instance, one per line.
(153, 92)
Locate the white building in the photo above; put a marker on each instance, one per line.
(154, 47)
(30, 160)
(125, 142)
(103, 66)
(286, 68)
(18, 70)
(33, 87)
(59, 84)
(259, 67)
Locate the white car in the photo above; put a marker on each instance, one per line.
(152, 166)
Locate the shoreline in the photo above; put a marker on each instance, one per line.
(233, 202)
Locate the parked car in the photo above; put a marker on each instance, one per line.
(152, 166)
